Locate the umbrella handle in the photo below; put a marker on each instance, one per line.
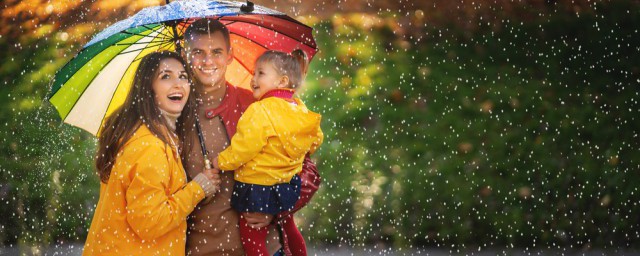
(203, 147)
(207, 163)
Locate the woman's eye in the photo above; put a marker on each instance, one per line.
(183, 76)
(165, 76)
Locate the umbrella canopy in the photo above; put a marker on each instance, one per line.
(97, 80)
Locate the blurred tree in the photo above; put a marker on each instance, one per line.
(448, 123)
(520, 135)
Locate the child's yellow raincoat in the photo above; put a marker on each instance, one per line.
(271, 141)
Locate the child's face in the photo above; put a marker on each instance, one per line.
(266, 78)
(171, 86)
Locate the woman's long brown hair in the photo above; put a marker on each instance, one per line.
(139, 108)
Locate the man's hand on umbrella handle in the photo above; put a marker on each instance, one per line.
(257, 219)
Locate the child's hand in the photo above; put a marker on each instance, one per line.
(215, 163)
(257, 219)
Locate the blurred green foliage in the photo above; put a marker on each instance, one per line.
(525, 134)
(521, 135)
(47, 186)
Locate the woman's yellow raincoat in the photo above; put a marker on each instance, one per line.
(143, 208)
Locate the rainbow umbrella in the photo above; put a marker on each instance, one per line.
(97, 80)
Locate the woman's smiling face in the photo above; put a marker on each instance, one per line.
(171, 86)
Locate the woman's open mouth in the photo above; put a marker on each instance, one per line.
(176, 97)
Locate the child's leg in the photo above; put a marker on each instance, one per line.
(253, 239)
(294, 238)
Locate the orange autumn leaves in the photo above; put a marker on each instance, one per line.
(37, 18)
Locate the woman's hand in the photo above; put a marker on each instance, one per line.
(257, 219)
(210, 181)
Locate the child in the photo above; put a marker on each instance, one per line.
(273, 136)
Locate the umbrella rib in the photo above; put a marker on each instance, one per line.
(125, 44)
(134, 34)
(149, 45)
(160, 31)
(184, 28)
(234, 21)
(156, 45)
(164, 44)
(146, 47)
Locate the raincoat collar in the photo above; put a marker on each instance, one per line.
(286, 94)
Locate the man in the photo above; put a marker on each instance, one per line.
(213, 226)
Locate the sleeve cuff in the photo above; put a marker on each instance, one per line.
(205, 184)
(198, 192)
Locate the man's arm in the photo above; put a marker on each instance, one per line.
(310, 183)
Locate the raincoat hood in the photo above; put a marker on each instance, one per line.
(299, 126)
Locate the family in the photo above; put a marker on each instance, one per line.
(157, 195)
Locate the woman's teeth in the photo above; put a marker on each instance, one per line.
(175, 96)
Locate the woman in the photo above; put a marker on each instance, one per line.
(144, 194)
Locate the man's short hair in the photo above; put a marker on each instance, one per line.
(206, 27)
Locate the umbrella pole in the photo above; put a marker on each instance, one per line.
(203, 147)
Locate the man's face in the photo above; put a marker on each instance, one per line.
(208, 57)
